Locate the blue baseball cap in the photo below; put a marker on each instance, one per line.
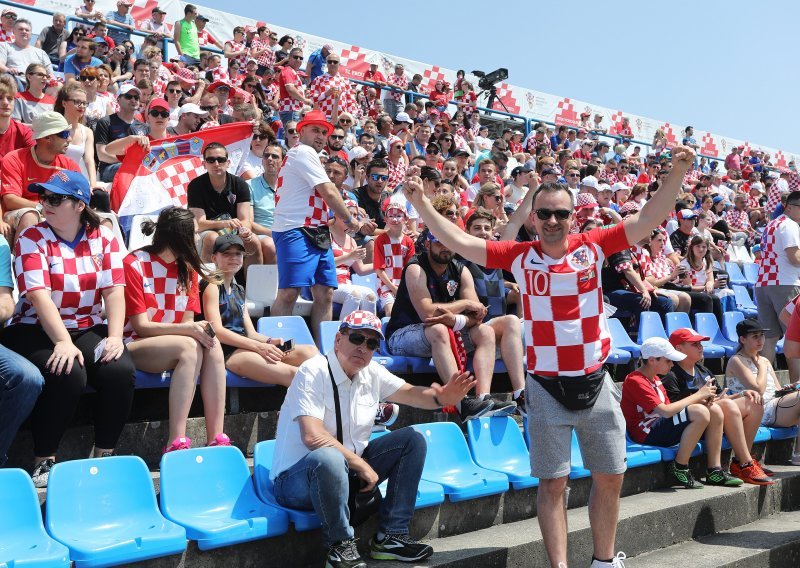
(65, 182)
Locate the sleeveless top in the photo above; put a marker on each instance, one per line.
(491, 289)
(190, 44)
(76, 152)
(231, 306)
(736, 386)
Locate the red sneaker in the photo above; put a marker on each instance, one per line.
(750, 474)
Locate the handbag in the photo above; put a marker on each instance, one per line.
(574, 393)
(320, 236)
(362, 505)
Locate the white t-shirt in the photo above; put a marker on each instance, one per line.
(774, 265)
(311, 394)
(472, 191)
(297, 203)
(251, 163)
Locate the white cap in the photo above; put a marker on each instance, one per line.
(589, 181)
(356, 153)
(660, 347)
(603, 187)
(127, 88)
(757, 185)
(403, 117)
(619, 185)
(193, 109)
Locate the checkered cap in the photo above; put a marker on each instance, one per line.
(360, 319)
(584, 200)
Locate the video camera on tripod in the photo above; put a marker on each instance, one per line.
(487, 82)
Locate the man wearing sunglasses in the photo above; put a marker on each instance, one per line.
(291, 88)
(9, 16)
(25, 166)
(567, 341)
(369, 197)
(116, 126)
(313, 470)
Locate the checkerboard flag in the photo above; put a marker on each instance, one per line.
(148, 182)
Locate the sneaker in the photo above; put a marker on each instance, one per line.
(220, 440)
(502, 407)
(344, 554)
(768, 472)
(398, 547)
(795, 458)
(41, 473)
(750, 474)
(521, 409)
(616, 562)
(472, 408)
(182, 443)
(682, 477)
(722, 479)
(387, 414)
(107, 454)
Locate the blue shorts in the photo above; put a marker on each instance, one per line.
(666, 432)
(300, 263)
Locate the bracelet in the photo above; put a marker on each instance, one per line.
(436, 401)
(460, 323)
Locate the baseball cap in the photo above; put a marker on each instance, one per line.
(460, 153)
(757, 185)
(603, 187)
(585, 201)
(520, 170)
(589, 181)
(224, 242)
(660, 347)
(683, 335)
(203, 18)
(361, 319)
(551, 171)
(159, 103)
(191, 108)
(7, 11)
(48, 123)
(749, 325)
(394, 206)
(100, 39)
(157, 10)
(618, 186)
(65, 182)
(718, 198)
(356, 153)
(127, 88)
(403, 117)
(686, 214)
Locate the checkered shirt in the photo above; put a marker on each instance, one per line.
(697, 276)
(347, 99)
(6, 37)
(266, 59)
(629, 206)
(75, 277)
(392, 256)
(738, 220)
(397, 172)
(691, 176)
(533, 144)
(752, 202)
(658, 267)
(794, 181)
(287, 103)
(399, 81)
(776, 237)
(152, 288)
(204, 38)
(343, 268)
(297, 202)
(774, 195)
(220, 74)
(566, 333)
(236, 46)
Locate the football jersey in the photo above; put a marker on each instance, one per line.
(297, 202)
(392, 255)
(266, 59)
(347, 100)
(774, 266)
(640, 397)
(289, 76)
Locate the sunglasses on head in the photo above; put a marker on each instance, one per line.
(53, 199)
(560, 214)
(155, 113)
(216, 159)
(379, 177)
(359, 339)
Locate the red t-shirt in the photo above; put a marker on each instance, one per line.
(19, 170)
(17, 136)
(639, 398)
(376, 77)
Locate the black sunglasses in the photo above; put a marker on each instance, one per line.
(159, 113)
(88, 78)
(131, 97)
(260, 136)
(379, 177)
(336, 137)
(54, 199)
(208, 108)
(545, 214)
(297, 57)
(173, 91)
(291, 131)
(216, 159)
(358, 339)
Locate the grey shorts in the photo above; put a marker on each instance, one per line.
(600, 431)
(410, 341)
(771, 300)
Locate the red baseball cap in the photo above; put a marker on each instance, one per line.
(684, 335)
(158, 103)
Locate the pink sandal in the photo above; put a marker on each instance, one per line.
(220, 440)
(182, 443)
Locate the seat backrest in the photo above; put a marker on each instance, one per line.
(201, 479)
(750, 271)
(742, 296)
(98, 492)
(286, 327)
(137, 239)
(262, 465)
(707, 325)
(327, 334)
(19, 505)
(677, 320)
(447, 448)
(112, 217)
(729, 321)
(650, 326)
(496, 440)
(262, 283)
(734, 272)
(619, 335)
(367, 280)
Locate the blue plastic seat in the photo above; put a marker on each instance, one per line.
(23, 540)
(638, 455)
(729, 321)
(393, 363)
(735, 275)
(707, 325)
(497, 444)
(762, 435)
(782, 433)
(677, 320)
(286, 327)
(750, 272)
(104, 510)
(153, 380)
(744, 303)
(449, 463)
(620, 338)
(650, 326)
(618, 356)
(262, 465)
(327, 335)
(210, 492)
(667, 453)
(779, 345)
(367, 280)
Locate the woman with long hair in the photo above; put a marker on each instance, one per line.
(162, 295)
(97, 106)
(70, 45)
(253, 166)
(659, 270)
(71, 102)
(33, 101)
(699, 269)
(69, 268)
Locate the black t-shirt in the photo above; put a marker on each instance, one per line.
(112, 127)
(679, 384)
(372, 207)
(680, 241)
(202, 195)
(611, 277)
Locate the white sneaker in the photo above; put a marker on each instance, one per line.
(795, 458)
(616, 562)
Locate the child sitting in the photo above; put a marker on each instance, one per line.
(393, 250)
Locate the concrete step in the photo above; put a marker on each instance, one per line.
(648, 521)
(772, 542)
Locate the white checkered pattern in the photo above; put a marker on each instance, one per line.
(204, 38)
(75, 277)
(347, 99)
(738, 220)
(289, 76)
(220, 74)
(397, 172)
(361, 319)
(658, 267)
(778, 234)
(343, 268)
(176, 175)
(266, 59)
(236, 46)
(152, 288)
(392, 256)
(697, 276)
(566, 113)
(399, 81)
(429, 78)
(778, 187)
(504, 94)
(6, 37)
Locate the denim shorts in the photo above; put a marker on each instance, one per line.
(410, 341)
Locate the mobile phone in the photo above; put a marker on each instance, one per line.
(210, 330)
(287, 346)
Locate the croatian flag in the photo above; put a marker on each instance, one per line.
(148, 182)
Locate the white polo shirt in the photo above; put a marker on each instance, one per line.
(311, 394)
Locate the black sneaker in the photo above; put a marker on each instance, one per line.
(472, 408)
(682, 477)
(41, 473)
(722, 478)
(386, 414)
(502, 407)
(398, 547)
(344, 554)
(521, 409)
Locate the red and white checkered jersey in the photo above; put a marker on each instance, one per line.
(266, 59)
(270, 92)
(397, 173)
(152, 288)
(289, 76)
(219, 73)
(640, 397)
(697, 276)
(319, 88)
(75, 275)
(738, 220)
(297, 202)
(773, 263)
(658, 267)
(204, 38)
(399, 81)
(566, 333)
(6, 37)
(794, 181)
(752, 202)
(392, 255)
(236, 46)
(778, 188)
(343, 268)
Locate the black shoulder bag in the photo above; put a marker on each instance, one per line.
(362, 505)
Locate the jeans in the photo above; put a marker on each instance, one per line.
(20, 385)
(289, 116)
(189, 60)
(320, 482)
(630, 302)
(392, 107)
(107, 174)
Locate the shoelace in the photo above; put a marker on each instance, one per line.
(347, 549)
(617, 560)
(404, 538)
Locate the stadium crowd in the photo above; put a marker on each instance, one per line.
(380, 179)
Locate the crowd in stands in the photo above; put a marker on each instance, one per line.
(326, 193)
